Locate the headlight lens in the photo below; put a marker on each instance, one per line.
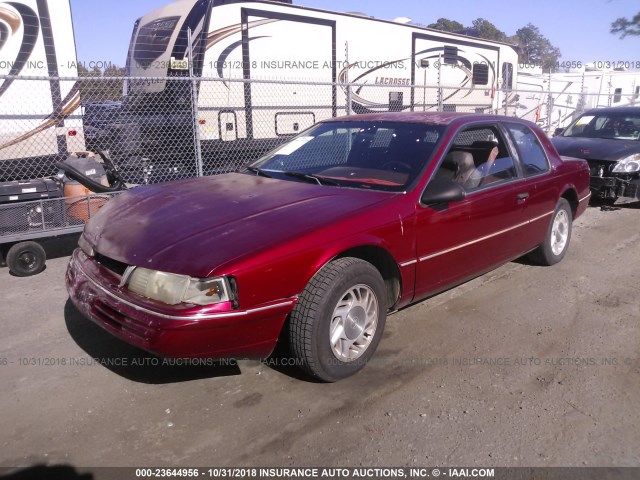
(173, 289)
(85, 246)
(631, 164)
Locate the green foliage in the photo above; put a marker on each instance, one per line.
(99, 86)
(485, 29)
(624, 27)
(446, 25)
(533, 47)
(536, 49)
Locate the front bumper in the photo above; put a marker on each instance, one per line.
(172, 331)
(611, 188)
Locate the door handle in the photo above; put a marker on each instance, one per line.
(523, 196)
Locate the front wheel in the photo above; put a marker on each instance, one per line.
(338, 321)
(556, 243)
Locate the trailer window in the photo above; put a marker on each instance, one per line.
(450, 55)
(153, 40)
(480, 74)
(617, 95)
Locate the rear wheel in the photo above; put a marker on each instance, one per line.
(558, 236)
(26, 258)
(338, 321)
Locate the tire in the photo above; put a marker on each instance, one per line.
(556, 243)
(349, 286)
(26, 258)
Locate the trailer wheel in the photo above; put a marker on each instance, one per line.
(26, 258)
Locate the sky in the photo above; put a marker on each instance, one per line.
(580, 28)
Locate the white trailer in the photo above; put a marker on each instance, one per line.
(555, 100)
(396, 66)
(39, 119)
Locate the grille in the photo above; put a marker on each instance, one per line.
(598, 168)
(111, 264)
(119, 321)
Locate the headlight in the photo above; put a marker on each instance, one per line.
(631, 164)
(173, 289)
(85, 246)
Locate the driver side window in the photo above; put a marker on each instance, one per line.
(478, 158)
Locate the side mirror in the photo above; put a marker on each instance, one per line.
(558, 131)
(442, 191)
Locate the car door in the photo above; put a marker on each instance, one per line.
(539, 185)
(458, 241)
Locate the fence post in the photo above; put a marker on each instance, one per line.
(549, 103)
(440, 96)
(349, 111)
(194, 107)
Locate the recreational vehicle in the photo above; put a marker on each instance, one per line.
(236, 47)
(555, 100)
(40, 119)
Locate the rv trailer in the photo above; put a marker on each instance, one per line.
(555, 100)
(40, 119)
(234, 48)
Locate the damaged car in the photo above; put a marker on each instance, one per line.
(609, 139)
(322, 238)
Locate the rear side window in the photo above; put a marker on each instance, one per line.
(534, 160)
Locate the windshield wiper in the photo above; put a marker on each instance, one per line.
(320, 180)
(258, 171)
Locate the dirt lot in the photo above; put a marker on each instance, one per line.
(526, 366)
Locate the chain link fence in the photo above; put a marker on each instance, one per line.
(183, 127)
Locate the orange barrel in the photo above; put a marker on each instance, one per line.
(78, 203)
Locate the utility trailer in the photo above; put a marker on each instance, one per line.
(24, 221)
(232, 46)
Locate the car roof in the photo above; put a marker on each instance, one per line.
(620, 110)
(430, 118)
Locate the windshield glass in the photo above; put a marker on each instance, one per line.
(610, 125)
(373, 155)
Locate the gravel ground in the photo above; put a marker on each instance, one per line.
(525, 366)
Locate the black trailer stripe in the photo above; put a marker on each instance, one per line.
(246, 58)
(435, 38)
(29, 41)
(52, 67)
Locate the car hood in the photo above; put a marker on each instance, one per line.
(195, 225)
(595, 148)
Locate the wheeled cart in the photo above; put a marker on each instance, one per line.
(34, 210)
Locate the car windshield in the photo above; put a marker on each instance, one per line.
(361, 154)
(610, 125)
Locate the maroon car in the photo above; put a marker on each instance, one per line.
(352, 219)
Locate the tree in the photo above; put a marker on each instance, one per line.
(482, 28)
(85, 72)
(101, 86)
(626, 27)
(447, 25)
(535, 48)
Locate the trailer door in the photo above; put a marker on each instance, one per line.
(287, 47)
